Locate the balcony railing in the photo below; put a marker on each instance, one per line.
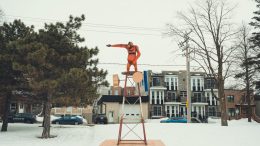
(199, 99)
(183, 99)
(199, 89)
(173, 100)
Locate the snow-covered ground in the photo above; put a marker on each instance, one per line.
(238, 133)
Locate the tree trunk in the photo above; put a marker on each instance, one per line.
(43, 112)
(46, 119)
(249, 110)
(6, 111)
(222, 103)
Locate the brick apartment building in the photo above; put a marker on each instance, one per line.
(237, 104)
(257, 98)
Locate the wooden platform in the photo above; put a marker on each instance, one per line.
(111, 142)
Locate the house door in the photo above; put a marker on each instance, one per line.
(183, 111)
(110, 117)
(21, 108)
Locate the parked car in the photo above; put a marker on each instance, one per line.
(22, 118)
(174, 120)
(180, 120)
(72, 120)
(195, 120)
(100, 119)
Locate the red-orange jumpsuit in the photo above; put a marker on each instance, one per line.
(133, 54)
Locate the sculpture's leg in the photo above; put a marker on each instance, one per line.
(135, 65)
(128, 67)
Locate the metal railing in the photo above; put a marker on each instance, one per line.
(199, 99)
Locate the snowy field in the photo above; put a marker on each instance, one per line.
(238, 133)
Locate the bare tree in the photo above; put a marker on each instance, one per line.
(245, 71)
(210, 23)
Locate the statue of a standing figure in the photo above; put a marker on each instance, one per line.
(133, 53)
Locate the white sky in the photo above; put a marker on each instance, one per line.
(154, 48)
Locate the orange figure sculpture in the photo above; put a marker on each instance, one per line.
(133, 53)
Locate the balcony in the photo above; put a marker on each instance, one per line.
(172, 100)
(183, 99)
(157, 102)
(199, 89)
(199, 99)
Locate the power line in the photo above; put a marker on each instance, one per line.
(93, 24)
(115, 32)
(102, 26)
(142, 64)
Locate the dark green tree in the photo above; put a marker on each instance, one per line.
(255, 39)
(11, 79)
(58, 67)
(245, 70)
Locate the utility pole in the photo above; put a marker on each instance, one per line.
(188, 79)
(188, 100)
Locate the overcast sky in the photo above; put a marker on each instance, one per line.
(120, 21)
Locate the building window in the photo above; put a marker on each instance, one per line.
(167, 83)
(208, 98)
(156, 81)
(171, 96)
(199, 110)
(157, 111)
(207, 95)
(197, 97)
(198, 83)
(172, 83)
(116, 92)
(158, 97)
(183, 96)
(13, 107)
(231, 112)
(168, 111)
(230, 98)
(210, 84)
(152, 97)
(211, 111)
(173, 113)
(257, 85)
(176, 84)
(193, 85)
(194, 113)
(162, 97)
(21, 106)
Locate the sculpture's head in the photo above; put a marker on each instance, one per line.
(130, 44)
